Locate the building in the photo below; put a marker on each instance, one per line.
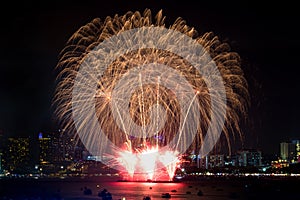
(68, 145)
(284, 150)
(296, 144)
(65, 144)
(211, 161)
(1, 169)
(1, 149)
(16, 157)
(59, 147)
(45, 149)
(290, 151)
(57, 150)
(216, 160)
(278, 164)
(249, 158)
(231, 160)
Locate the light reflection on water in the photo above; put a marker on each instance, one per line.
(212, 188)
(138, 190)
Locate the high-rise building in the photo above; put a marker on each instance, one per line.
(284, 150)
(1, 149)
(211, 161)
(296, 144)
(58, 147)
(56, 155)
(249, 157)
(79, 152)
(45, 149)
(1, 170)
(216, 160)
(290, 151)
(66, 146)
(16, 157)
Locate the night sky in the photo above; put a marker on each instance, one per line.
(265, 36)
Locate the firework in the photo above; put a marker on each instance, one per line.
(147, 92)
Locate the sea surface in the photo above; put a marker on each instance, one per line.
(204, 188)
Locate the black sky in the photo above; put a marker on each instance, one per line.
(265, 36)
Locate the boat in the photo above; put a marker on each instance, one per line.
(166, 195)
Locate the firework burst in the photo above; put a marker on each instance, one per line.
(144, 96)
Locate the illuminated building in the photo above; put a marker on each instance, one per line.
(58, 147)
(1, 170)
(65, 146)
(278, 164)
(79, 152)
(216, 161)
(212, 161)
(1, 150)
(284, 150)
(45, 149)
(290, 151)
(56, 151)
(297, 150)
(231, 160)
(55, 146)
(249, 157)
(68, 148)
(16, 158)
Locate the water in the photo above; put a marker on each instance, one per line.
(73, 189)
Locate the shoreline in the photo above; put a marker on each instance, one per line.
(116, 178)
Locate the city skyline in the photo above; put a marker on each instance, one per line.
(267, 44)
(53, 150)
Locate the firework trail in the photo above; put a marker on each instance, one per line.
(144, 96)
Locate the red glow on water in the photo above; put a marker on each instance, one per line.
(149, 163)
